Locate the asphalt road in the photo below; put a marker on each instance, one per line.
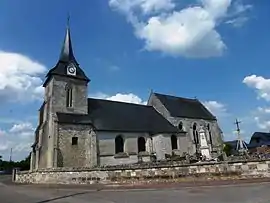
(245, 193)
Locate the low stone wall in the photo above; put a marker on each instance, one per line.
(124, 173)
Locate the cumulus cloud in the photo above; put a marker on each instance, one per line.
(261, 116)
(216, 108)
(238, 22)
(189, 32)
(114, 68)
(19, 78)
(145, 6)
(260, 84)
(122, 97)
(19, 137)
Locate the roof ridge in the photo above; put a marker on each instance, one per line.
(262, 132)
(112, 101)
(178, 97)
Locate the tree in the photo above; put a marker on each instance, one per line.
(9, 165)
(25, 164)
(227, 149)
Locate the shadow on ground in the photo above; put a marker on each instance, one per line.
(62, 197)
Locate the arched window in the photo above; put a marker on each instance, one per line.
(119, 144)
(174, 142)
(195, 133)
(210, 134)
(69, 95)
(141, 144)
(180, 126)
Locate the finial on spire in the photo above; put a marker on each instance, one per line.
(68, 19)
(67, 51)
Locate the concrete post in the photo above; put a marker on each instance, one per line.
(37, 158)
(93, 148)
(14, 172)
(32, 161)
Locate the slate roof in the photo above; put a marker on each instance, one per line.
(66, 57)
(107, 115)
(185, 107)
(258, 139)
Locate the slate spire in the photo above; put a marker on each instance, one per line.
(65, 59)
(67, 54)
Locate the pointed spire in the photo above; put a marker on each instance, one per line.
(67, 54)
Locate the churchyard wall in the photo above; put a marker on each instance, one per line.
(139, 172)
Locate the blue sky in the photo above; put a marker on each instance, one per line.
(216, 50)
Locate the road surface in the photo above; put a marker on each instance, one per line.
(245, 193)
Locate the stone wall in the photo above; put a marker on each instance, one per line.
(143, 172)
(69, 155)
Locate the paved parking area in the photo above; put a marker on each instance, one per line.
(245, 193)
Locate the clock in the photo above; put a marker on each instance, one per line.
(71, 69)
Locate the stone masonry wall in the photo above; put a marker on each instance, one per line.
(69, 155)
(164, 171)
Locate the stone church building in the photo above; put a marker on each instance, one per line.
(77, 131)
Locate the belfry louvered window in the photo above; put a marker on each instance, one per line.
(69, 96)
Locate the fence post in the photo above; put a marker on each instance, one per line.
(14, 172)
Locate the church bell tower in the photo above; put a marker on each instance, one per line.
(66, 83)
(66, 91)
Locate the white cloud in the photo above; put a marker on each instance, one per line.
(260, 84)
(216, 8)
(189, 32)
(216, 108)
(19, 77)
(238, 22)
(129, 98)
(262, 124)
(19, 137)
(146, 6)
(238, 16)
(240, 8)
(261, 117)
(114, 68)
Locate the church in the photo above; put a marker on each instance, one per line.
(77, 131)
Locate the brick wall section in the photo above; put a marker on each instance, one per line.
(172, 171)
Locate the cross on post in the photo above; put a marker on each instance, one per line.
(237, 125)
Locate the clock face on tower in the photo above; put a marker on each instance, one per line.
(71, 69)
